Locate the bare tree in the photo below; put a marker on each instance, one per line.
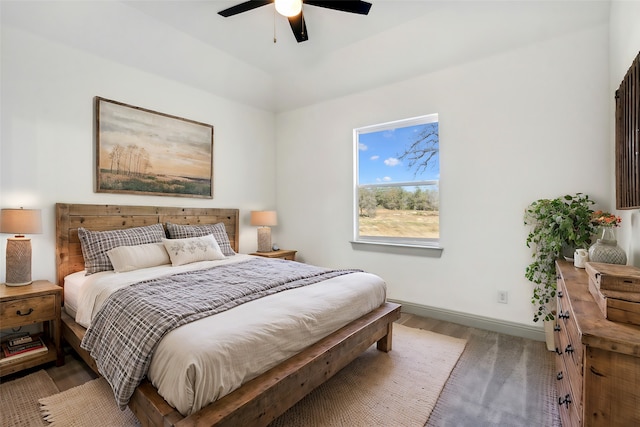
(116, 156)
(421, 151)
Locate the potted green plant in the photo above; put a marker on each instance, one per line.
(558, 226)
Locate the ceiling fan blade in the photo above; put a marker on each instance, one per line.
(244, 7)
(299, 27)
(359, 7)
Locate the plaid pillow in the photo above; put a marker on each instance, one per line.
(179, 231)
(95, 244)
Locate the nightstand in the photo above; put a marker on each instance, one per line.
(39, 302)
(282, 254)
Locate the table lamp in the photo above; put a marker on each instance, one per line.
(19, 222)
(265, 220)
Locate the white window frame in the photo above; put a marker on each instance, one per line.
(427, 243)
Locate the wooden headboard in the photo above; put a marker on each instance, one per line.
(114, 217)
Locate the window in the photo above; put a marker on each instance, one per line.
(397, 179)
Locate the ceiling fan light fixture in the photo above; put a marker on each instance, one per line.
(288, 8)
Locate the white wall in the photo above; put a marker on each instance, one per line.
(527, 123)
(517, 124)
(624, 42)
(47, 146)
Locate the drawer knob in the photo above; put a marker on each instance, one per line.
(19, 313)
(559, 376)
(557, 328)
(569, 349)
(558, 350)
(560, 294)
(564, 315)
(565, 401)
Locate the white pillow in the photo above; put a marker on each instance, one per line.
(128, 258)
(192, 249)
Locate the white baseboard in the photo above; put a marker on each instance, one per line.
(474, 321)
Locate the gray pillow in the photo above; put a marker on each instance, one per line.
(96, 244)
(180, 231)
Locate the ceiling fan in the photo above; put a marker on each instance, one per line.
(292, 9)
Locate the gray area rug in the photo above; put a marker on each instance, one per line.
(500, 380)
(19, 399)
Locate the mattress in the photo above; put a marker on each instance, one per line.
(202, 361)
(72, 285)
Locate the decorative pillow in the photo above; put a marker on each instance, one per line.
(179, 231)
(95, 244)
(128, 258)
(192, 249)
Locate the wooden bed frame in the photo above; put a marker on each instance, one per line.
(259, 401)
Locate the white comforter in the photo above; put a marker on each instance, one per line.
(200, 362)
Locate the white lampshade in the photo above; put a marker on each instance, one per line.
(264, 218)
(19, 222)
(288, 8)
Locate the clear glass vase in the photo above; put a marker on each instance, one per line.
(606, 248)
(608, 235)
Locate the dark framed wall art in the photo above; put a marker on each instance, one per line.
(140, 151)
(627, 131)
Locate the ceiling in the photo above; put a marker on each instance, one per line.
(236, 57)
(249, 36)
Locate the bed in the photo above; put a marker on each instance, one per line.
(257, 401)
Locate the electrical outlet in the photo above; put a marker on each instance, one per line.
(503, 297)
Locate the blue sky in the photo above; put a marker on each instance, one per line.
(378, 154)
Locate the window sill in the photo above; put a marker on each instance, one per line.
(432, 251)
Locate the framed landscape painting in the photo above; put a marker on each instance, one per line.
(139, 151)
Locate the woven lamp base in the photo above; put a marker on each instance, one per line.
(18, 271)
(264, 239)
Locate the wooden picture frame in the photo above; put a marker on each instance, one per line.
(140, 151)
(627, 134)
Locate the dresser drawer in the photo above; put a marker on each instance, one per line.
(25, 311)
(568, 404)
(570, 345)
(567, 324)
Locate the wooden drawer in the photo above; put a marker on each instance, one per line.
(572, 372)
(567, 402)
(567, 323)
(570, 343)
(26, 311)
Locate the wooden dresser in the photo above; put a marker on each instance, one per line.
(598, 361)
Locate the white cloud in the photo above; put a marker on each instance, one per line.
(374, 157)
(362, 147)
(387, 179)
(392, 161)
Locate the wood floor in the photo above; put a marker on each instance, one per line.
(499, 380)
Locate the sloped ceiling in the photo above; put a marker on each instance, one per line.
(237, 58)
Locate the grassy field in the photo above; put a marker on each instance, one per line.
(424, 224)
(150, 183)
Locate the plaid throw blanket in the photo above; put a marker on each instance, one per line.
(127, 329)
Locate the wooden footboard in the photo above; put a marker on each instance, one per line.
(268, 396)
